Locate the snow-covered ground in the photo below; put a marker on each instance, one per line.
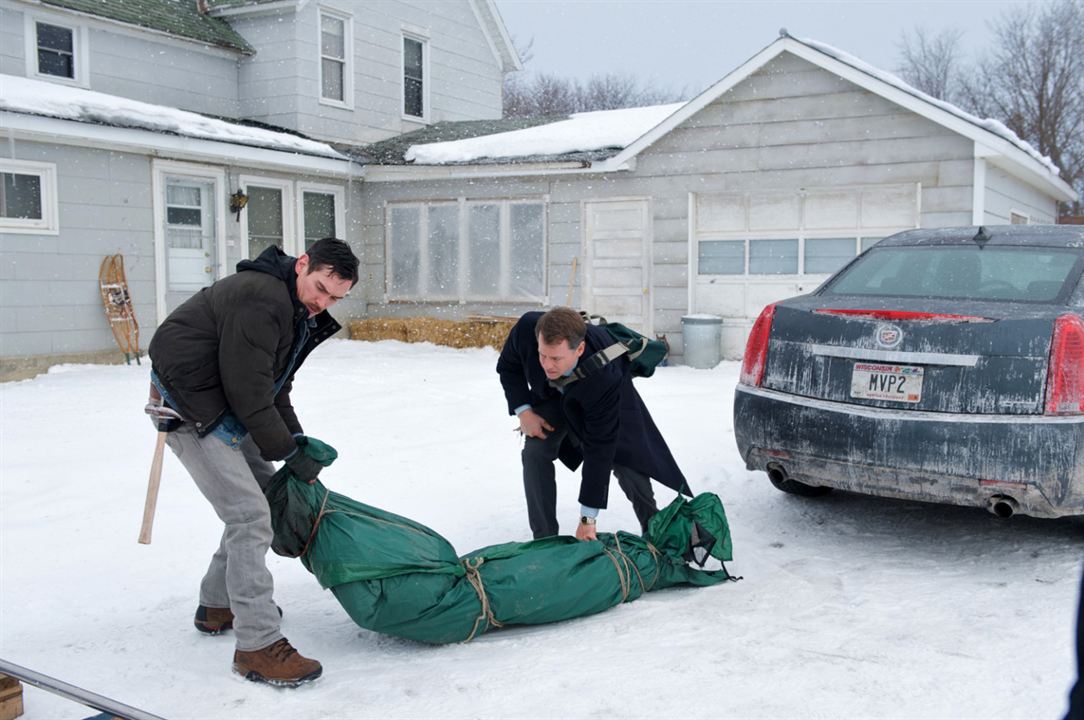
(850, 607)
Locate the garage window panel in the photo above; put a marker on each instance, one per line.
(773, 257)
(722, 257)
(826, 255)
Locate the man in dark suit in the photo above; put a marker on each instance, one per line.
(599, 421)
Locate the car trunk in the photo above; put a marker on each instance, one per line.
(971, 357)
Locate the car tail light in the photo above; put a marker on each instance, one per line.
(1065, 374)
(902, 315)
(756, 349)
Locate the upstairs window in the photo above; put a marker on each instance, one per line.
(414, 104)
(335, 59)
(55, 51)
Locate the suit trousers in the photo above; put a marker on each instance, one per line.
(232, 480)
(540, 483)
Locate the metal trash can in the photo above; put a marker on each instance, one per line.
(703, 340)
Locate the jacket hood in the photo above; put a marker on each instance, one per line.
(273, 261)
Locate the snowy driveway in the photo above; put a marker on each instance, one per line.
(850, 606)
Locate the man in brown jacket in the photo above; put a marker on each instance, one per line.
(225, 360)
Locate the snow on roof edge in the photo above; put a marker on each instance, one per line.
(995, 127)
(39, 97)
(580, 132)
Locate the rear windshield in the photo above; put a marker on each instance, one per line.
(968, 273)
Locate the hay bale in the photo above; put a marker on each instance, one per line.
(473, 332)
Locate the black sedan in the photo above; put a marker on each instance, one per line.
(940, 365)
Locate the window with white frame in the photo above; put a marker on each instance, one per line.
(414, 81)
(477, 250)
(336, 54)
(55, 50)
(1018, 218)
(811, 232)
(322, 212)
(28, 199)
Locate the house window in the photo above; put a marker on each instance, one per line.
(322, 212)
(463, 251)
(808, 232)
(55, 51)
(414, 104)
(336, 48)
(28, 197)
(1016, 218)
(265, 221)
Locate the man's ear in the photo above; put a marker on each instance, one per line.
(302, 265)
(581, 347)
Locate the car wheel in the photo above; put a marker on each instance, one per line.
(792, 486)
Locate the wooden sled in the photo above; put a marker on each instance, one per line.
(118, 306)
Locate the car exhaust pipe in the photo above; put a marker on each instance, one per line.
(1002, 505)
(776, 474)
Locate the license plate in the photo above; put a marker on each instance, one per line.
(884, 381)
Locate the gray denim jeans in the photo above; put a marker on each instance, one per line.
(232, 480)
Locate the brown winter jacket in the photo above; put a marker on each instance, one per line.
(223, 349)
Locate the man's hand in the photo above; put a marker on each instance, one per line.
(303, 463)
(586, 531)
(534, 425)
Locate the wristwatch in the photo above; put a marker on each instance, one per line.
(584, 520)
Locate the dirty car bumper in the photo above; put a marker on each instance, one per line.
(1036, 460)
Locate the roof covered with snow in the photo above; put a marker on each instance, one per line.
(602, 133)
(38, 97)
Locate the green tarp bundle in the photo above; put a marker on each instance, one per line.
(395, 576)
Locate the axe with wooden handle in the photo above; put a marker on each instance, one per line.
(166, 418)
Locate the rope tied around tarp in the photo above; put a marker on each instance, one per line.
(644, 587)
(474, 577)
(316, 522)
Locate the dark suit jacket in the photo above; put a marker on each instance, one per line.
(603, 411)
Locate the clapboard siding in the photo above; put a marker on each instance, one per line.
(51, 293)
(1005, 195)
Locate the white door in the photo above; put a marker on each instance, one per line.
(618, 272)
(191, 252)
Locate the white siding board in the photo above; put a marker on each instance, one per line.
(1006, 194)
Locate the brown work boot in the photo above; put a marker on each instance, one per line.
(215, 621)
(277, 664)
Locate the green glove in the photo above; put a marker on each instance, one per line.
(311, 457)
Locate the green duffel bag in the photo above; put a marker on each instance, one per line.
(395, 576)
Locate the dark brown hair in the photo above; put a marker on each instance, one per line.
(561, 323)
